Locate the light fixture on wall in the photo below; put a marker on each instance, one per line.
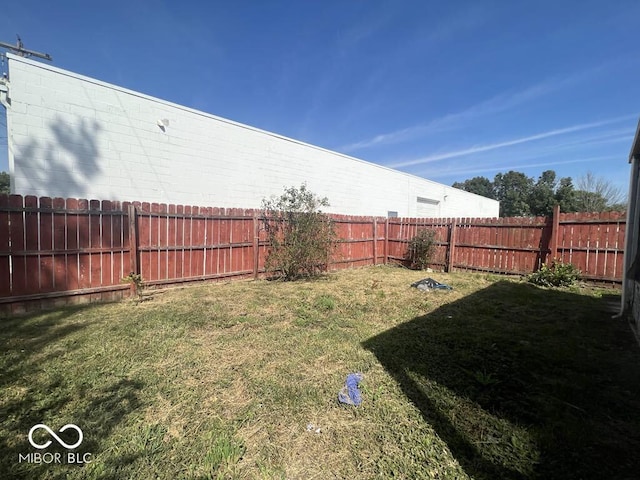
(163, 124)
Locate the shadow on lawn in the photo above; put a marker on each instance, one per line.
(60, 400)
(522, 382)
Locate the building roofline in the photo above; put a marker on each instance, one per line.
(635, 146)
(45, 66)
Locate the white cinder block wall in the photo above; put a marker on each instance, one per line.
(72, 136)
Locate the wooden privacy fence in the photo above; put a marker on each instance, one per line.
(56, 251)
(593, 242)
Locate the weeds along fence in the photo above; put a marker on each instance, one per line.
(59, 251)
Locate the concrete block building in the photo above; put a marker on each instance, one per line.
(73, 136)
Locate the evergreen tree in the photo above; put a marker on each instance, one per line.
(478, 185)
(513, 190)
(566, 195)
(5, 183)
(542, 198)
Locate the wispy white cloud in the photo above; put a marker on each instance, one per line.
(460, 21)
(591, 140)
(509, 143)
(496, 104)
(345, 45)
(502, 102)
(351, 37)
(501, 168)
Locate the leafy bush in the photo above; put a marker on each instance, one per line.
(302, 238)
(421, 249)
(558, 274)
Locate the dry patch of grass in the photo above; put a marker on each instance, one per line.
(221, 380)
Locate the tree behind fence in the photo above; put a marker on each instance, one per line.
(56, 251)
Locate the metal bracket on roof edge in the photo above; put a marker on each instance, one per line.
(4, 93)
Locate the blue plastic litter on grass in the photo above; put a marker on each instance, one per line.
(350, 394)
(430, 284)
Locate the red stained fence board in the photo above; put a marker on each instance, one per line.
(50, 246)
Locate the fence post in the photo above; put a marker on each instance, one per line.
(133, 239)
(555, 230)
(452, 245)
(375, 241)
(256, 245)
(386, 241)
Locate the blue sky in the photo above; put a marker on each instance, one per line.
(443, 90)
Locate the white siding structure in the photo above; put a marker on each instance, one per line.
(73, 136)
(631, 273)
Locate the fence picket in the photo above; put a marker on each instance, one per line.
(56, 246)
(5, 243)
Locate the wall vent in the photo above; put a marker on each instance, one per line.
(428, 201)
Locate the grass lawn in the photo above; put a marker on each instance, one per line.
(495, 379)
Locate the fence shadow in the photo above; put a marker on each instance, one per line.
(522, 382)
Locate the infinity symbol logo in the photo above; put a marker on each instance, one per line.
(52, 433)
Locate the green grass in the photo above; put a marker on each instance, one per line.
(495, 379)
